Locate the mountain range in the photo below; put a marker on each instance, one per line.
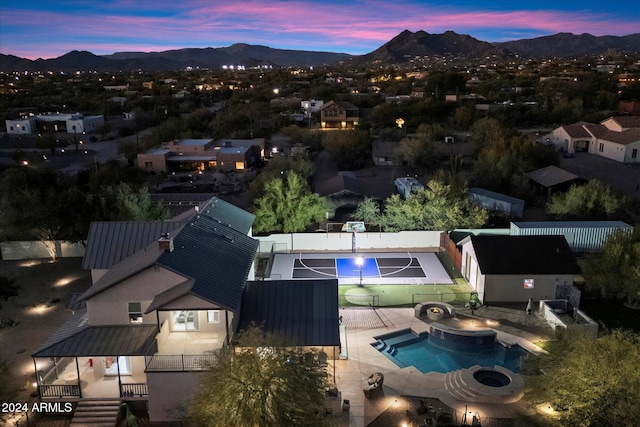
(404, 47)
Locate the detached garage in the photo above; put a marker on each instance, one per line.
(516, 268)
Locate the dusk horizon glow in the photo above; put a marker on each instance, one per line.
(49, 29)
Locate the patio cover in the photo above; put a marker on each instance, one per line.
(77, 339)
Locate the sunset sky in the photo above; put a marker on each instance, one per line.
(50, 28)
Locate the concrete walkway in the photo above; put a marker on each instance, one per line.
(364, 359)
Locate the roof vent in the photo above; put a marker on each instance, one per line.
(165, 243)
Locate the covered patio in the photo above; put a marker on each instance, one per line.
(82, 361)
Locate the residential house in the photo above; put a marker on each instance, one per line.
(516, 268)
(202, 154)
(339, 115)
(74, 123)
(158, 307)
(617, 138)
(152, 318)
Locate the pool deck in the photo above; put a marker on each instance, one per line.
(362, 325)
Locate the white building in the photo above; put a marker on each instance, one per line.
(617, 138)
(22, 126)
(73, 123)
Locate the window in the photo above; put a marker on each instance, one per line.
(601, 147)
(135, 312)
(186, 320)
(114, 365)
(148, 165)
(213, 316)
(634, 153)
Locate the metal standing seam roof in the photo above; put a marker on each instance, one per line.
(126, 268)
(302, 312)
(524, 255)
(494, 195)
(571, 224)
(110, 242)
(77, 338)
(170, 295)
(229, 215)
(217, 257)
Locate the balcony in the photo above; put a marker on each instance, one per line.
(178, 362)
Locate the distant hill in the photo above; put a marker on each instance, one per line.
(401, 49)
(408, 45)
(180, 59)
(570, 45)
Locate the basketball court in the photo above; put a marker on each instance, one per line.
(401, 268)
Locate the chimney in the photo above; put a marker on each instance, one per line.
(165, 243)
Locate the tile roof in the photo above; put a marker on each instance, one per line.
(303, 312)
(577, 130)
(626, 121)
(524, 255)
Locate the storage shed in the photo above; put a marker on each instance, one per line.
(406, 185)
(502, 203)
(582, 236)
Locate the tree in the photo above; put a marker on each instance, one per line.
(438, 207)
(588, 382)
(616, 270)
(592, 201)
(288, 206)
(122, 202)
(277, 167)
(261, 382)
(369, 212)
(350, 149)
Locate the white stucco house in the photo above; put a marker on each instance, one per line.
(617, 138)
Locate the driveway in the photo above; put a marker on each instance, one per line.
(624, 178)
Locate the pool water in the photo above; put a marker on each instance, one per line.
(428, 354)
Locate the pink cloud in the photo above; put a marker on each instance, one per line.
(357, 26)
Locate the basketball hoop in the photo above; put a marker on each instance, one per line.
(354, 227)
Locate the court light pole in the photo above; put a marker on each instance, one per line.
(359, 263)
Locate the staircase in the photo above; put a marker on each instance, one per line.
(96, 413)
(463, 387)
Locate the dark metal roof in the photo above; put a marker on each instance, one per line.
(217, 257)
(303, 312)
(108, 243)
(126, 268)
(524, 255)
(170, 295)
(76, 338)
(229, 215)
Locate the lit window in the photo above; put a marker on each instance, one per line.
(213, 316)
(135, 312)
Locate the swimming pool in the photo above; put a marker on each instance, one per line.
(428, 354)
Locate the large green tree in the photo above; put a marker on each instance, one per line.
(585, 382)
(592, 201)
(261, 382)
(288, 206)
(438, 207)
(615, 271)
(350, 149)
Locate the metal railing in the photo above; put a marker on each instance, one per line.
(179, 362)
(59, 390)
(133, 390)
